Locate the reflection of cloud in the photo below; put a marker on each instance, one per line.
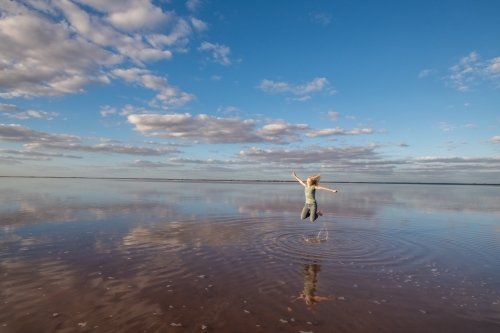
(54, 282)
(38, 208)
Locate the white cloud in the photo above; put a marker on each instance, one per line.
(493, 67)
(334, 116)
(276, 130)
(209, 161)
(199, 25)
(146, 164)
(495, 139)
(469, 72)
(192, 5)
(316, 85)
(16, 112)
(274, 87)
(214, 129)
(456, 159)
(9, 107)
(35, 140)
(471, 126)
(168, 96)
(446, 127)
(216, 77)
(130, 109)
(229, 109)
(310, 155)
(32, 155)
(102, 148)
(130, 15)
(22, 115)
(19, 133)
(219, 52)
(350, 117)
(107, 110)
(177, 37)
(60, 47)
(338, 131)
(424, 73)
(302, 99)
(403, 144)
(321, 18)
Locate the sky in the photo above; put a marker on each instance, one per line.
(354, 90)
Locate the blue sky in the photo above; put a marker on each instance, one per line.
(354, 90)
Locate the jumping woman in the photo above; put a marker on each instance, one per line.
(311, 208)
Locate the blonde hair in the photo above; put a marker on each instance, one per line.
(315, 179)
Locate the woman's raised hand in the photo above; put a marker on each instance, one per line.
(294, 174)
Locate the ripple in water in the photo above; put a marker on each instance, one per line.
(242, 272)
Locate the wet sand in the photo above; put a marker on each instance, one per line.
(133, 256)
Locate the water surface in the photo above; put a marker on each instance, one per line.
(143, 256)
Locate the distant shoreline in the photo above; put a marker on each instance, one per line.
(247, 180)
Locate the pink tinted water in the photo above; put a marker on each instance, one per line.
(136, 256)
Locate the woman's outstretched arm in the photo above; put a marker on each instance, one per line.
(298, 179)
(326, 189)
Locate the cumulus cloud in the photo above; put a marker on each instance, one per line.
(495, 139)
(52, 48)
(168, 96)
(219, 52)
(403, 144)
(338, 131)
(277, 130)
(318, 84)
(214, 129)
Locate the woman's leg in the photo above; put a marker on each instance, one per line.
(305, 212)
(314, 208)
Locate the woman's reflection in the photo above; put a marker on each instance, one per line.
(310, 272)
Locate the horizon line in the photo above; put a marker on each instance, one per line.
(248, 180)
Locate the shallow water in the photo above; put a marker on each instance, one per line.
(144, 256)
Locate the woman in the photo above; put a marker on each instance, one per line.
(310, 207)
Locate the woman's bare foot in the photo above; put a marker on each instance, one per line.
(320, 214)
